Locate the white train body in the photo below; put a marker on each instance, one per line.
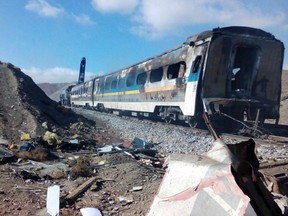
(233, 70)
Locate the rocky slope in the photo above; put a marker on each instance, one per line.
(25, 108)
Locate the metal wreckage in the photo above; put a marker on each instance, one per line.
(223, 181)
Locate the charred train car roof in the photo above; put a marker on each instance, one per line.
(179, 53)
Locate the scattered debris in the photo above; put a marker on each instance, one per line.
(51, 138)
(53, 200)
(50, 171)
(37, 154)
(5, 153)
(125, 175)
(141, 144)
(25, 137)
(27, 146)
(81, 167)
(90, 212)
(137, 188)
(71, 197)
(3, 141)
(124, 200)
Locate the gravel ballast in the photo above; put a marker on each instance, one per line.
(169, 139)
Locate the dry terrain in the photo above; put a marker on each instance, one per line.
(122, 185)
(25, 109)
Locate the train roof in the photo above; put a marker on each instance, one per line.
(231, 30)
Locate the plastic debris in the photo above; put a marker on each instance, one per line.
(26, 147)
(25, 136)
(75, 136)
(90, 212)
(13, 146)
(137, 188)
(51, 138)
(102, 162)
(141, 144)
(74, 141)
(54, 171)
(53, 200)
(125, 199)
(105, 149)
(5, 153)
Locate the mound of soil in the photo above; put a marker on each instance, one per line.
(25, 108)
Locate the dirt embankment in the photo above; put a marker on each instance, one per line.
(25, 108)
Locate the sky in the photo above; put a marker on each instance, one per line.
(47, 39)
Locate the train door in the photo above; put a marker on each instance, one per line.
(243, 72)
(195, 79)
(95, 92)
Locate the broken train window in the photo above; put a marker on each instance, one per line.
(196, 64)
(130, 79)
(176, 70)
(156, 75)
(141, 78)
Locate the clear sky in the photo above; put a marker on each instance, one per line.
(48, 38)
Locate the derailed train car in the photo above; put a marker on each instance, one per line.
(233, 70)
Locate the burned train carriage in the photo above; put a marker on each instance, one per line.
(234, 70)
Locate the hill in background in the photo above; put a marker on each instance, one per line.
(53, 90)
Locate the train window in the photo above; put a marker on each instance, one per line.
(130, 80)
(176, 70)
(113, 84)
(96, 90)
(141, 78)
(196, 64)
(107, 85)
(121, 83)
(102, 87)
(156, 75)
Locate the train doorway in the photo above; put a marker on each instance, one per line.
(243, 72)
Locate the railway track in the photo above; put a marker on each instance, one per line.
(265, 134)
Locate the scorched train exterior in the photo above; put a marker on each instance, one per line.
(232, 70)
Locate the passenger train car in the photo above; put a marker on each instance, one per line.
(233, 70)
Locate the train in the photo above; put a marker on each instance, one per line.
(232, 71)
